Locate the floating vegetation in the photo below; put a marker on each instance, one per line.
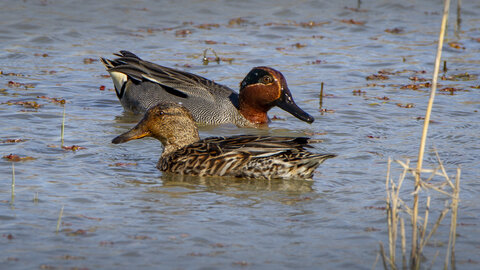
(460, 77)
(72, 148)
(89, 60)
(237, 21)
(456, 45)
(207, 26)
(41, 54)
(352, 21)
(359, 92)
(17, 158)
(377, 77)
(25, 104)
(416, 86)
(123, 164)
(299, 45)
(20, 85)
(11, 74)
(395, 30)
(183, 32)
(53, 100)
(451, 90)
(407, 105)
(12, 140)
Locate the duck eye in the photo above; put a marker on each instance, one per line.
(266, 79)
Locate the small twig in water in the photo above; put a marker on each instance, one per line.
(13, 184)
(59, 220)
(321, 95)
(205, 59)
(63, 124)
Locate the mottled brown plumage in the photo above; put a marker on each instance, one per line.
(238, 156)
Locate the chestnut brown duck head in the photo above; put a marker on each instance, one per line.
(141, 85)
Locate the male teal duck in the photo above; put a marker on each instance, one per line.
(246, 156)
(141, 84)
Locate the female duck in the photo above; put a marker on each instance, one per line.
(141, 84)
(238, 156)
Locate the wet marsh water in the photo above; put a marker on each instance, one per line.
(120, 212)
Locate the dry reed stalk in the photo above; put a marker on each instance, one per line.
(453, 223)
(414, 252)
(13, 184)
(459, 18)
(63, 125)
(59, 219)
(384, 256)
(321, 95)
(404, 244)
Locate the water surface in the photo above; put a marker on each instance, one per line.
(119, 212)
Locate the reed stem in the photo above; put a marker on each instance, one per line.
(13, 184)
(59, 220)
(414, 260)
(63, 125)
(321, 95)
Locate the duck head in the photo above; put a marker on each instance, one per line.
(170, 123)
(264, 88)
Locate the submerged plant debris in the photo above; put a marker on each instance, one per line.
(17, 158)
(20, 85)
(13, 140)
(73, 148)
(53, 100)
(352, 21)
(25, 104)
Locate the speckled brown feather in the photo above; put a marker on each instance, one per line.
(239, 156)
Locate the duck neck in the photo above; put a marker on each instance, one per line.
(181, 138)
(252, 111)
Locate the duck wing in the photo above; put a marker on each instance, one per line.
(176, 82)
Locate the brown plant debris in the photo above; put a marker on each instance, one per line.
(311, 24)
(25, 104)
(207, 26)
(237, 21)
(17, 158)
(352, 21)
(18, 85)
(299, 45)
(73, 148)
(89, 60)
(183, 32)
(53, 100)
(11, 74)
(377, 77)
(407, 106)
(416, 86)
(460, 77)
(456, 45)
(417, 79)
(123, 164)
(12, 141)
(395, 30)
(326, 111)
(358, 92)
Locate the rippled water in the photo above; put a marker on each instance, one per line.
(120, 212)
